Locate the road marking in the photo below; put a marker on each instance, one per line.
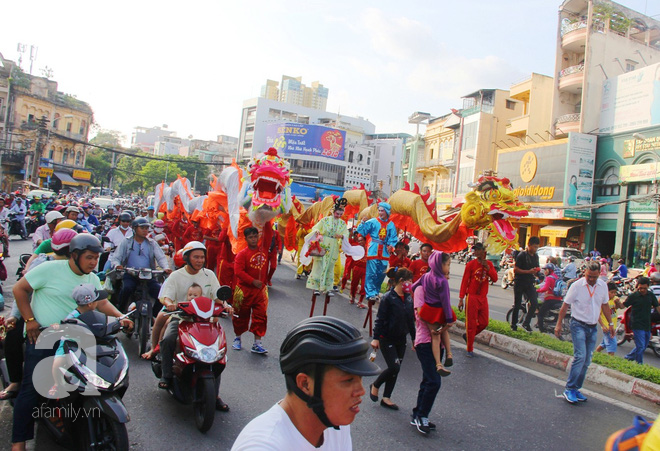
(546, 377)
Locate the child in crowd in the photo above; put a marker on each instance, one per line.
(400, 257)
(359, 273)
(158, 330)
(436, 310)
(609, 343)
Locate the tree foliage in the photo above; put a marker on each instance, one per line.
(156, 171)
(98, 162)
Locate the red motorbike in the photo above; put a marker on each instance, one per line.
(201, 357)
(625, 333)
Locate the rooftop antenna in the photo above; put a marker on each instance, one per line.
(33, 55)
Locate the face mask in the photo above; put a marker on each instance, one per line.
(158, 229)
(407, 287)
(123, 227)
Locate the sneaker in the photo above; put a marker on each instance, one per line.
(419, 423)
(514, 327)
(431, 425)
(330, 294)
(580, 397)
(569, 395)
(237, 344)
(361, 305)
(470, 354)
(527, 327)
(298, 276)
(258, 349)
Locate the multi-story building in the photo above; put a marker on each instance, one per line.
(221, 151)
(438, 167)
(169, 145)
(293, 91)
(387, 161)
(596, 40)
(51, 129)
(259, 112)
(359, 167)
(144, 138)
(6, 67)
(535, 95)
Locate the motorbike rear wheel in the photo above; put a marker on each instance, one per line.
(521, 314)
(204, 406)
(143, 333)
(110, 435)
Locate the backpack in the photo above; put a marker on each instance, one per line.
(560, 288)
(631, 438)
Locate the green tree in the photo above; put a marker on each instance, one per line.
(108, 138)
(98, 163)
(155, 171)
(191, 164)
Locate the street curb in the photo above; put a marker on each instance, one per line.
(597, 374)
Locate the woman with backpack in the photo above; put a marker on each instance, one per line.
(553, 287)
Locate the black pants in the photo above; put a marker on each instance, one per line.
(14, 351)
(393, 355)
(129, 285)
(518, 290)
(547, 305)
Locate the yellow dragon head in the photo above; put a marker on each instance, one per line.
(489, 207)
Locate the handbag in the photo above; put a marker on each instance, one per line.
(315, 249)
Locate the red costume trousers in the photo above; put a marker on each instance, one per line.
(359, 273)
(476, 317)
(252, 303)
(348, 267)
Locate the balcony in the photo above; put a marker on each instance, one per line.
(518, 126)
(566, 124)
(574, 36)
(571, 79)
(70, 135)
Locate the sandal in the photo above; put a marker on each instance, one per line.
(449, 361)
(164, 384)
(8, 394)
(442, 371)
(221, 406)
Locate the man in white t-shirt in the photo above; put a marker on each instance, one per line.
(175, 290)
(587, 298)
(323, 360)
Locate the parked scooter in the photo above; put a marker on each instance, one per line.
(625, 333)
(97, 376)
(203, 358)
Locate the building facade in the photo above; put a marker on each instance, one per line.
(535, 96)
(145, 138)
(293, 91)
(387, 161)
(596, 40)
(438, 168)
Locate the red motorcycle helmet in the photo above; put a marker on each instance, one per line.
(178, 259)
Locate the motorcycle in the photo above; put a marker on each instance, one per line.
(625, 333)
(203, 357)
(33, 222)
(98, 378)
(143, 303)
(22, 263)
(15, 226)
(508, 278)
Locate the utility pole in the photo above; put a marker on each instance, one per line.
(112, 172)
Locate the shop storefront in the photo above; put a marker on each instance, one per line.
(550, 177)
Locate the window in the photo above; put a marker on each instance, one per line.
(610, 185)
(510, 104)
(30, 117)
(640, 188)
(630, 67)
(65, 156)
(83, 126)
(350, 156)
(68, 126)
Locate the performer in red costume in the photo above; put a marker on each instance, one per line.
(348, 264)
(251, 292)
(420, 266)
(400, 257)
(193, 232)
(273, 254)
(475, 286)
(226, 260)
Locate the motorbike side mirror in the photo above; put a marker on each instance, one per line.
(105, 239)
(224, 293)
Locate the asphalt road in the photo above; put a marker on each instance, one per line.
(489, 402)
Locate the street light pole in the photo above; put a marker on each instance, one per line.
(656, 197)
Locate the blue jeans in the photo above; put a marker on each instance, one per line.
(28, 398)
(584, 343)
(641, 338)
(431, 381)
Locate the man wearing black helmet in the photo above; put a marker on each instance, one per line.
(323, 360)
(138, 252)
(50, 285)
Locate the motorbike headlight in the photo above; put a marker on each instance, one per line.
(89, 375)
(203, 353)
(124, 370)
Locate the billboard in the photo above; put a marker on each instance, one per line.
(536, 172)
(631, 101)
(579, 180)
(302, 139)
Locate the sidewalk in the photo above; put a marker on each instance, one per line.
(597, 374)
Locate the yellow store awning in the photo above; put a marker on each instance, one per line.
(555, 231)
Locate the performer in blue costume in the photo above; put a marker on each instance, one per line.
(383, 239)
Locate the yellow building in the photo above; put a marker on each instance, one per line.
(535, 96)
(437, 167)
(53, 128)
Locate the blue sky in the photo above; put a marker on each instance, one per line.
(151, 63)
